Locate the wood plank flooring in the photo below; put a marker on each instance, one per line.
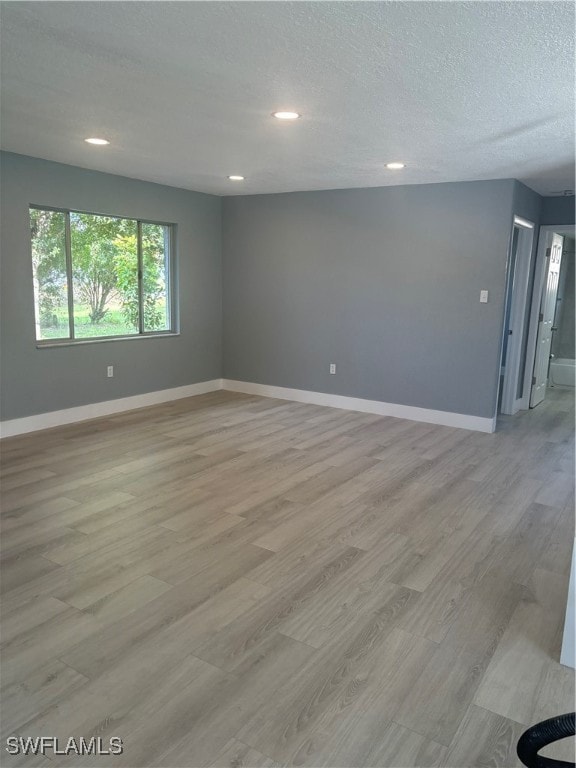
(238, 581)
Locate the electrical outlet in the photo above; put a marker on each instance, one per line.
(332, 368)
(110, 371)
(484, 297)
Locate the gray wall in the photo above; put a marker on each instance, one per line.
(557, 210)
(38, 380)
(528, 204)
(383, 282)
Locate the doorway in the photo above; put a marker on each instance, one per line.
(545, 312)
(512, 394)
(546, 319)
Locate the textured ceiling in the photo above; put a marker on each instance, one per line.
(184, 91)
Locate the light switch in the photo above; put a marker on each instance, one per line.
(483, 297)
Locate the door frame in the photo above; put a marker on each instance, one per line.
(544, 241)
(508, 403)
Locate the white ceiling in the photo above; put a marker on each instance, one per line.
(184, 91)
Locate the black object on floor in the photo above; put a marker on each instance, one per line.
(542, 734)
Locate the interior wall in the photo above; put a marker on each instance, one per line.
(40, 380)
(528, 205)
(558, 210)
(383, 282)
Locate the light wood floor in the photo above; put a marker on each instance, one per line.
(237, 581)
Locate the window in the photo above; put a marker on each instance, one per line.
(98, 277)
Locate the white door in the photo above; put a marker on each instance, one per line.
(546, 320)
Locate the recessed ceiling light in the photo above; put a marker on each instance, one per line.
(286, 115)
(99, 142)
(236, 178)
(395, 166)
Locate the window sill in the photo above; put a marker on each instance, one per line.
(48, 344)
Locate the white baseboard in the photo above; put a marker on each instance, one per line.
(109, 407)
(106, 408)
(413, 413)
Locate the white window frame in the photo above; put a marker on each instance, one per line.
(171, 283)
